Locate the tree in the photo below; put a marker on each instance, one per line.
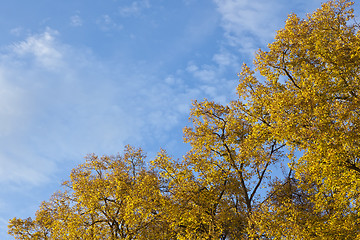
(310, 95)
(106, 198)
(219, 180)
(298, 110)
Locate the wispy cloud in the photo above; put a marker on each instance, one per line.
(54, 99)
(134, 9)
(42, 47)
(106, 23)
(17, 31)
(250, 24)
(214, 83)
(76, 21)
(247, 23)
(59, 103)
(225, 58)
(205, 73)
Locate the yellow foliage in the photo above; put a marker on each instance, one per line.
(301, 115)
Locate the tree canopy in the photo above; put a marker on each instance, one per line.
(297, 110)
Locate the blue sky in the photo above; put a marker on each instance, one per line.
(80, 77)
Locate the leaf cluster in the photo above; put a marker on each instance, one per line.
(298, 111)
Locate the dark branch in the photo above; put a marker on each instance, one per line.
(291, 78)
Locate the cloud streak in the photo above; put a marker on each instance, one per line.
(59, 104)
(55, 99)
(135, 8)
(42, 48)
(76, 21)
(106, 23)
(249, 25)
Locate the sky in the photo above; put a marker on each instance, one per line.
(80, 77)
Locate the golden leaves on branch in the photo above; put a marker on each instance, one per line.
(298, 111)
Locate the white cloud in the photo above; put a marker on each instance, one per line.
(226, 59)
(251, 24)
(76, 21)
(192, 68)
(213, 84)
(17, 31)
(58, 103)
(106, 23)
(42, 47)
(134, 9)
(206, 73)
(246, 23)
